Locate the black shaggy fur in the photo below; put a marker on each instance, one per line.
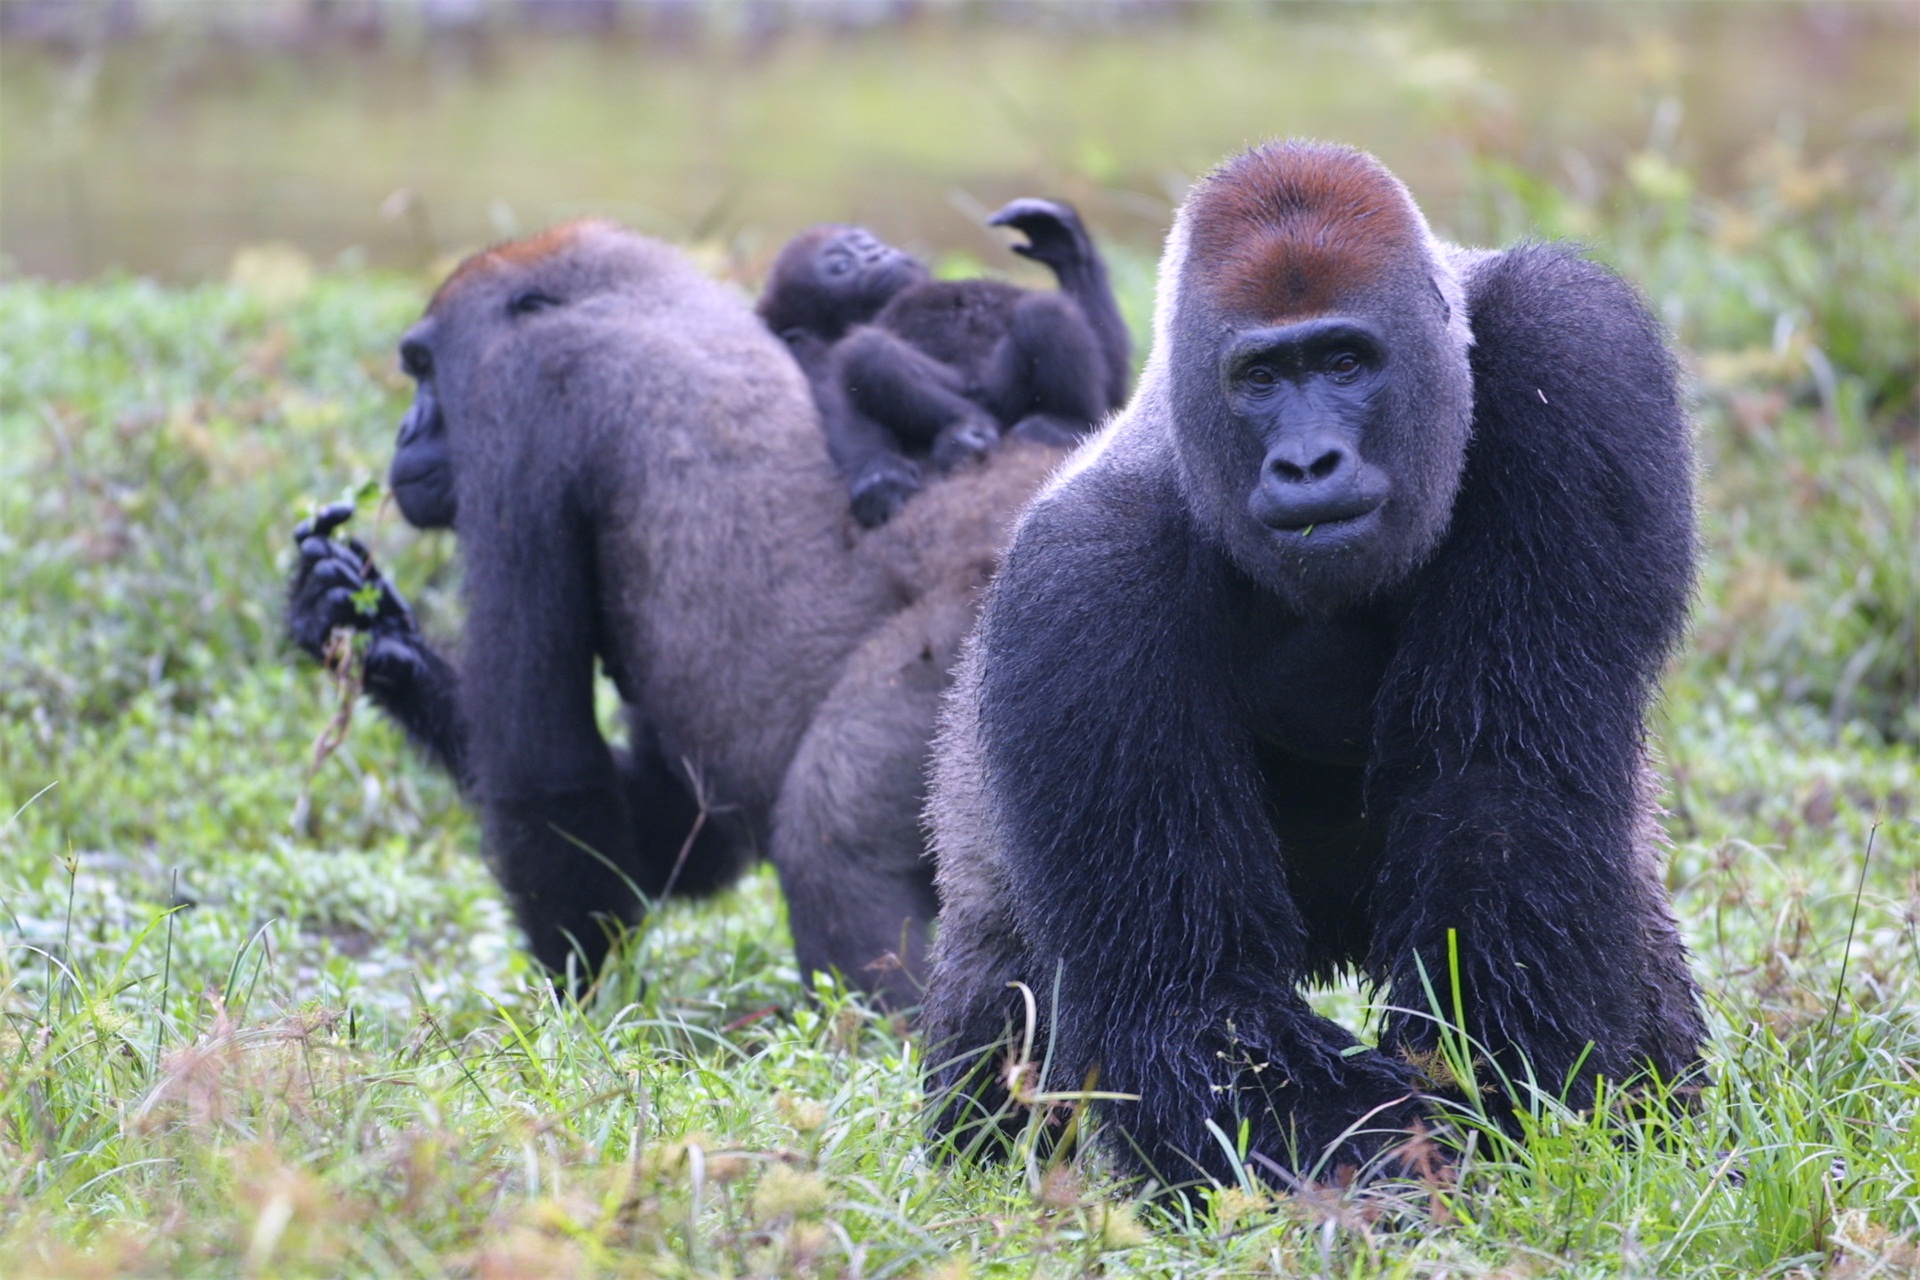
(1201, 755)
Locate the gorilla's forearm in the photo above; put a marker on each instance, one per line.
(566, 863)
(1084, 279)
(419, 690)
(678, 848)
(914, 395)
(1533, 907)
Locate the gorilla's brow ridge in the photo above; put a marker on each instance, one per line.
(516, 253)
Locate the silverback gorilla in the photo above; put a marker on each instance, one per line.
(637, 475)
(905, 367)
(1333, 651)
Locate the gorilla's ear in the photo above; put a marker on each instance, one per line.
(1446, 309)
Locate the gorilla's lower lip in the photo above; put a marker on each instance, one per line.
(1340, 529)
(1342, 518)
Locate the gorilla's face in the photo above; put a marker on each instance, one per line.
(1306, 391)
(423, 474)
(422, 471)
(1326, 450)
(831, 277)
(856, 273)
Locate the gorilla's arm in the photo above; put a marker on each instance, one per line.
(559, 831)
(1139, 855)
(1509, 751)
(879, 477)
(879, 393)
(1056, 236)
(336, 584)
(923, 401)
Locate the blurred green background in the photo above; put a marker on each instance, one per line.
(160, 136)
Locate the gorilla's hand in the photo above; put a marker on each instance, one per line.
(335, 584)
(1054, 232)
(972, 437)
(878, 491)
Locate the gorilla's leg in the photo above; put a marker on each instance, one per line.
(682, 849)
(847, 839)
(1047, 375)
(921, 400)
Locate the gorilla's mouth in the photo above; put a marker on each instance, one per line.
(408, 474)
(1343, 513)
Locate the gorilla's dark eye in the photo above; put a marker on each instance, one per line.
(525, 304)
(1260, 377)
(1343, 366)
(838, 264)
(416, 361)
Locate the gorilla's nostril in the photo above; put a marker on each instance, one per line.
(1326, 464)
(1305, 466)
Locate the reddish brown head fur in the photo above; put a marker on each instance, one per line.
(513, 253)
(1287, 229)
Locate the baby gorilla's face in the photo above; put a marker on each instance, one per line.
(862, 272)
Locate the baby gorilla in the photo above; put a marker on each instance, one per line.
(906, 368)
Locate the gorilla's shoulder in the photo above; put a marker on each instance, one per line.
(1548, 304)
(1116, 529)
(1578, 422)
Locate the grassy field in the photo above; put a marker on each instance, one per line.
(231, 1043)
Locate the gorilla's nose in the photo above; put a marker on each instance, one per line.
(1312, 480)
(1314, 460)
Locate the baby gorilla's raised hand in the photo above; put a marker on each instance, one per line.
(1055, 234)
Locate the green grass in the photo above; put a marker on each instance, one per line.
(230, 1046)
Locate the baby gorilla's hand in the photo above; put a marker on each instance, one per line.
(1054, 232)
(973, 436)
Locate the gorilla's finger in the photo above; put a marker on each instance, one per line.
(332, 517)
(334, 574)
(314, 549)
(323, 522)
